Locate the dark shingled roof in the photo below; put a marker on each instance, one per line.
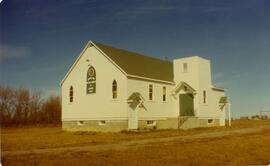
(223, 100)
(136, 96)
(139, 65)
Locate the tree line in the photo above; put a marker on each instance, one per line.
(22, 107)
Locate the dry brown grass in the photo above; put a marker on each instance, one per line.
(46, 137)
(249, 123)
(248, 149)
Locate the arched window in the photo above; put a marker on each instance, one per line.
(71, 94)
(91, 80)
(114, 89)
(204, 97)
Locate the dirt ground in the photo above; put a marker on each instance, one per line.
(247, 142)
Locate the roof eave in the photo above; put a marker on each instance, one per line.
(218, 89)
(109, 58)
(150, 79)
(87, 45)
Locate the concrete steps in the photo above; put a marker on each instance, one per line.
(190, 122)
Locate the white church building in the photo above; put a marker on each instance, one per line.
(111, 89)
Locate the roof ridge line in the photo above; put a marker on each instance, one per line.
(138, 54)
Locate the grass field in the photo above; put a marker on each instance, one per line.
(246, 143)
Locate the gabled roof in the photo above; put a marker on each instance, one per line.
(185, 86)
(132, 64)
(136, 100)
(223, 100)
(135, 97)
(135, 64)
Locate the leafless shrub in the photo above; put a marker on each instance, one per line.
(7, 103)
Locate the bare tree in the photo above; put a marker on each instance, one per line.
(35, 107)
(51, 110)
(20, 107)
(7, 101)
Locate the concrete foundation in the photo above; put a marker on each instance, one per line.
(120, 125)
(209, 122)
(96, 125)
(170, 123)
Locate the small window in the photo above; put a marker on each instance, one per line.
(80, 123)
(71, 94)
(210, 121)
(185, 67)
(114, 89)
(102, 123)
(204, 97)
(151, 123)
(164, 93)
(150, 92)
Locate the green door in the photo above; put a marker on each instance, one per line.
(186, 105)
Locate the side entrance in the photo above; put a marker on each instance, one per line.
(186, 110)
(133, 119)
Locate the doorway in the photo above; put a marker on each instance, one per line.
(133, 119)
(186, 105)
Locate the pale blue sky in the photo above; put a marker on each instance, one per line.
(41, 39)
